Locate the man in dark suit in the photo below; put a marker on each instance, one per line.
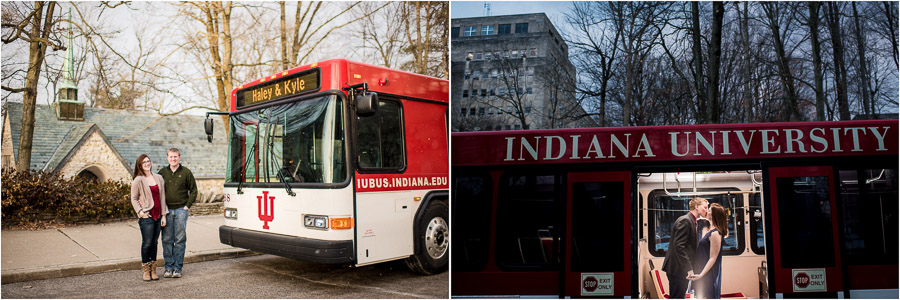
(678, 264)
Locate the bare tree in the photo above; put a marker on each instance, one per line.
(863, 76)
(426, 32)
(697, 48)
(597, 50)
(636, 21)
(34, 25)
(813, 23)
(746, 82)
(833, 18)
(715, 53)
(779, 25)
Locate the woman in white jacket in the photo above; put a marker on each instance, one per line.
(149, 200)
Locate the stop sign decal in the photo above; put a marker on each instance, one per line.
(589, 284)
(801, 280)
(809, 280)
(597, 284)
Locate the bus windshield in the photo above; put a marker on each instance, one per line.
(297, 142)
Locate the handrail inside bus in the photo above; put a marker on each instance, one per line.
(679, 193)
(870, 180)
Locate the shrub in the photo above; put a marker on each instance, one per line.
(38, 199)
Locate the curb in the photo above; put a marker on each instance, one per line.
(60, 271)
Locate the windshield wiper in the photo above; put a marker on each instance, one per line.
(270, 141)
(247, 163)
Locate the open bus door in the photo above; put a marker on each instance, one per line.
(598, 235)
(801, 214)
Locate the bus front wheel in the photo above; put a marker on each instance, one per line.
(433, 240)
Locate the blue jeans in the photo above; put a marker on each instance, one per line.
(174, 238)
(149, 238)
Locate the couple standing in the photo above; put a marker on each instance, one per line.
(686, 254)
(161, 202)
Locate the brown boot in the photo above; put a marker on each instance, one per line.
(146, 269)
(153, 275)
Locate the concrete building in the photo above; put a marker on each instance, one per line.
(512, 72)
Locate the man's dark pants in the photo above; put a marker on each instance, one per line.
(677, 285)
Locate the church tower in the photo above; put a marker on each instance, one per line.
(68, 107)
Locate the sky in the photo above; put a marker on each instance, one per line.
(554, 9)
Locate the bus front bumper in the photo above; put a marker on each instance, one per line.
(318, 251)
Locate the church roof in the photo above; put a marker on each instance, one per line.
(130, 133)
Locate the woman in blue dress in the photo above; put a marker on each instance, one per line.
(708, 283)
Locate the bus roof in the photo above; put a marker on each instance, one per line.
(336, 74)
(676, 143)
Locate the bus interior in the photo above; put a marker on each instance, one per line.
(663, 197)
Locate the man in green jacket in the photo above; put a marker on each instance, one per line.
(181, 191)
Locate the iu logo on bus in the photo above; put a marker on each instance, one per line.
(266, 206)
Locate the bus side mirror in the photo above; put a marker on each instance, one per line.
(208, 125)
(366, 104)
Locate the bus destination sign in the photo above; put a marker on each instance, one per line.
(280, 88)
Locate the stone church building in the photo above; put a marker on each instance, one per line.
(105, 144)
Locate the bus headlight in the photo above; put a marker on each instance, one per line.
(315, 222)
(230, 213)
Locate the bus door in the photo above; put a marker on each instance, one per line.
(805, 253)
(598, 235)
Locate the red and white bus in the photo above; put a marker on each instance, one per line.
(588, 212)
(340, 162)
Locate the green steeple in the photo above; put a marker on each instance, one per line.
(68, 107)
(68, 70)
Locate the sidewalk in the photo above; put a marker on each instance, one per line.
(89, 249)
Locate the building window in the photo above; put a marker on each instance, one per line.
(490, 110)
(517, 127)
(521, 27)
(476, 75)
(478, 56)
(462, 112)
(504, 29)
(532, 52)
(528, 90)
(465, 93)
(491, 92)
(467, 76)
(487, 30)
(454, 32)
(515, 53)
(487, 55)
(501, 91)
(481, 111)
(528, 110)
(493, 73)
(472, 111)
(469, 31)
(483, 92)
(506, 127)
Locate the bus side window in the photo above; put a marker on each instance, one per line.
(805, 226)
(757, 237)
(380, 138)
(869, 199)
(472, 199)
(664, 210)
(526, 212)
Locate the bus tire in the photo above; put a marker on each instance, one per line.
(432, 255)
